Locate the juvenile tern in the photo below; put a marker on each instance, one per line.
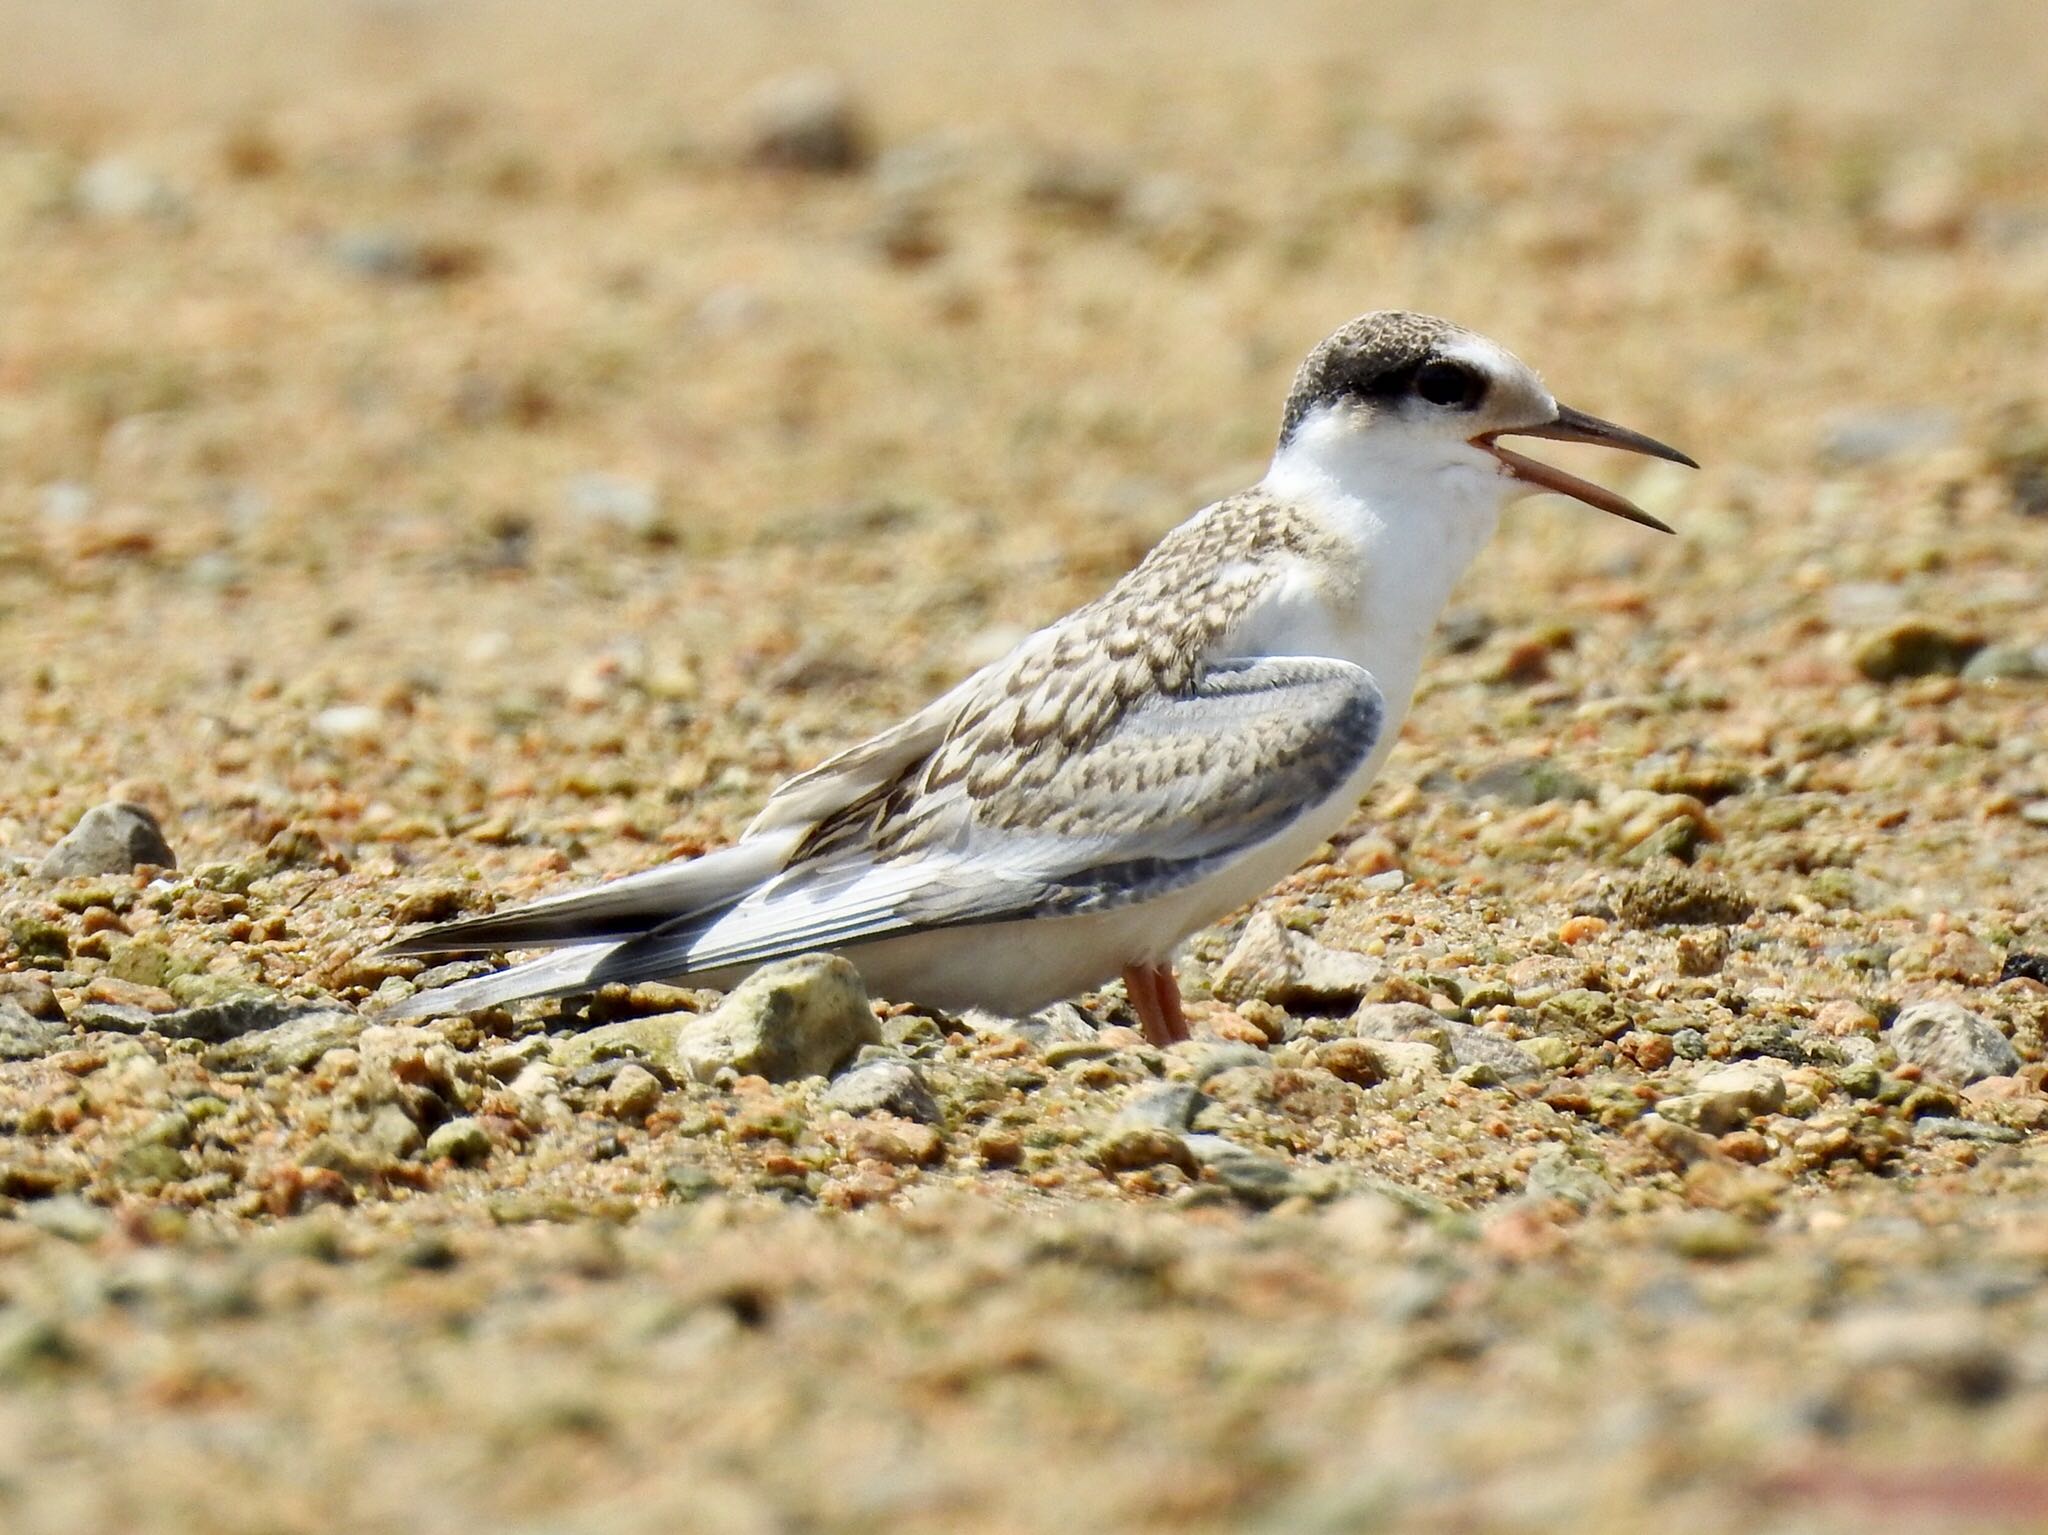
(1135, 770)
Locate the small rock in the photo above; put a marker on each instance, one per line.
(1209, 1060)
(807, 122)
(1916, 647)
(1356, 1061)
(1926, 203)
(2022, 966)
(24, 1037)
(461, 1141)
(119, 190)
(109, 839)
(1852, 438)
(351, 724)
(884, 1087)
(1062, 1023)
(1557, 1176)
(1078, 186)
(1712, 1235)
(231, 1017)
(1725, 1100)
(1160, 1106)
(689, 1182)
(1409, 1059)
(1272, 963)
(801, 1017)
(294, 1045)
(652, 1038)
(633, 1094)
(392, 255)
(32, 994)
(1526, 784)
(1459, 1045)
(113, 1018)
(615, 501)
(1953, 1349)
(1672, 895)
(1257, 1177)
(1702, 954)
(2007, 663)
(68, 1216)
(895, 1142)
(1948, 1040)
(1134, 1147)
(1757, 1088)
(1708, 1113)
(1942, 1128)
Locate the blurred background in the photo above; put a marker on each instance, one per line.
(460, 447)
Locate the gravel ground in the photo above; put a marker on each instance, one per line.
(443, 457)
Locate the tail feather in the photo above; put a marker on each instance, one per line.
(621, 909)
(552, 975)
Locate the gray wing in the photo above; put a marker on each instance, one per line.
(1181, 786)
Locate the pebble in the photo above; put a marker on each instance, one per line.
(1456, 1044)
(1408, 1059)
(67, 1216)
(120, 190)
(614, 501)
(1725, 1100)
(1256, 1177)
(1576, 930)
(24, 1037)
(1160, 1106)
(633, 1094)
(1952, 1349)
(1528, 783)
(1916, 647)
(1556, 1176)
(461, 1141)
(1855, 438)
(34, 995)
(1673, 895)
(113, 1018)
(2007, 663)
(232, 1017)
(1272, 963)
(1712, 1235)
(801, 1017)
(884, 1087)
(397, 256)
(807, 122)
(1130, 1148)
(1078, 185)
(350, 723)
(652, 1038)
(115, 838)
(294, 1045)
(2021, 966)
(1947, 1040)
(1061, 1024)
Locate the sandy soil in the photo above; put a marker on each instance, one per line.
(441, 458)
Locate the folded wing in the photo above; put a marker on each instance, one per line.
(1180, 787)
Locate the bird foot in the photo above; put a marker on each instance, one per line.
(1155, 993)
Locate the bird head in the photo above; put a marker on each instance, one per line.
(1409, 394)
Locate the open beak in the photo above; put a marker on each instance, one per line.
(1576, 426)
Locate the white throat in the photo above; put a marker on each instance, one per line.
(1416, 515)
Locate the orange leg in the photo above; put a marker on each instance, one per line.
(1155, 993)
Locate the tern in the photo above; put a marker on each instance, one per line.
(1136, 770)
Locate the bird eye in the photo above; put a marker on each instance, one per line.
(1446, 383)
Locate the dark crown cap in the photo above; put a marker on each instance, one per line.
(1375, 355)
